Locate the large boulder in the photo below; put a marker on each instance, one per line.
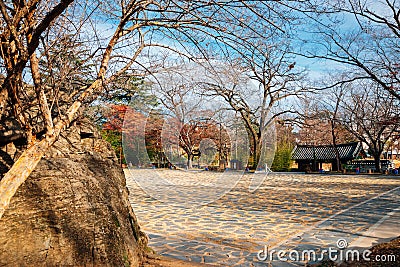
(73, 210)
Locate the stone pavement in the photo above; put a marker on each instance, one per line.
(373, 221)
(287, 212)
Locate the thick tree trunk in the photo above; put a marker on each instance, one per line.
(255, 143)
(257, 154)
(189, 162)
(377, 159)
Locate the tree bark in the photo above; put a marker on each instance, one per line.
(189, 162)
(21, 170)
(377, 160)
(257, 153)
(337, 155)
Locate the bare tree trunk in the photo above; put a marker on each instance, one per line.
(377, 160)
(255, 143)
(21, 170)
(189, 162)
(333, 126)
(257, 153)
(337, 155)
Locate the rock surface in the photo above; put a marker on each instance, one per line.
(73, 210)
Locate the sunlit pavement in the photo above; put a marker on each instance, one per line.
(287, 212)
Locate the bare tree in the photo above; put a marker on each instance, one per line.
(182, 108)
(320, 124)
(363, 35)
(318, 117)
(257, 87)
(371, 115)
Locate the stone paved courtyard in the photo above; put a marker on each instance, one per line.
(288, 211)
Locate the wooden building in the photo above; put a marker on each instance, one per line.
(314, 158)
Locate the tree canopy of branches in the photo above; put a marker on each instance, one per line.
(371, 115)
(257, 91)
(363, 35)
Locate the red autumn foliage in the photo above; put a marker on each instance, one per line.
(115, 118)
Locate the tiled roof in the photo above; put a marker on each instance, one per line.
(347, 151)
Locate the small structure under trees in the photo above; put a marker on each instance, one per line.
(314, 158)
